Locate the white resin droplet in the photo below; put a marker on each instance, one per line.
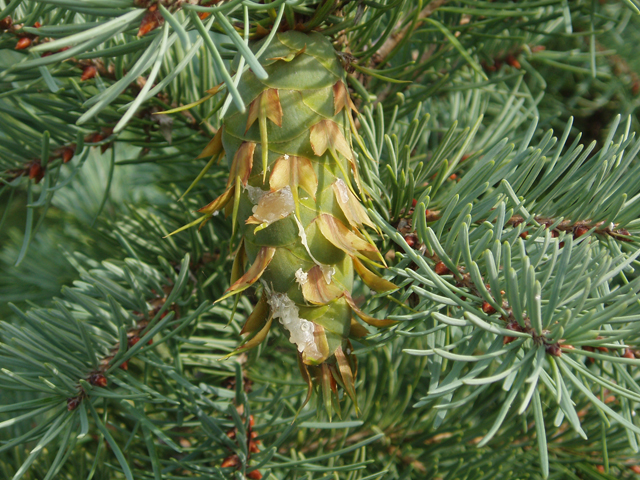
(301, 277)
(327, 272)
(255, 194)
(300, 329)
(274, 206)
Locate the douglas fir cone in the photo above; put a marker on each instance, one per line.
(292, 191)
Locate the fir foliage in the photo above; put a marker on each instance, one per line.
(498, 151)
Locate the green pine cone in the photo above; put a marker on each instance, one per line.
(292, 194)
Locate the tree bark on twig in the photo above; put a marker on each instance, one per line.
(387, 47)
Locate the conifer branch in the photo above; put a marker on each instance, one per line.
(503, 190)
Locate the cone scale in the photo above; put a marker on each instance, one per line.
(292, 194)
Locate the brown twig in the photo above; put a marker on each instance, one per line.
(577, 228)
(395, 38)
(621, 68)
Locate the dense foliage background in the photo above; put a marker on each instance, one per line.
(498, 149)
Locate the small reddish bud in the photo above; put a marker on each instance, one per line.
(89, 72)
(24, 42)
(555, 234)
(628, 353)
(133, 340)
(414, 202)
(231, 433)
(203, 15)
(512, 61)
(253, 447)
(524, 234)
(230, 461)
(34, 169)
(125, 365)
(453, 176)
(97, 137)
(254, 475)
(579, 231)
(67, 154)
(600, 468)
(431, 215)
(603, 349)
(488, 308)
(513, 326)
(37, 25)
(635, 468)
(252, 422)
(561, 244)
(150, 341)
(441, 269)
(35, 172)
(411, 240)
(151, 20)
(553, 349)
(623, 231)
(538, 48)
(73, 402)
(6, 23)
(98, 380)
(588, 349)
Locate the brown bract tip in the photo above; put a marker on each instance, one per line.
(341, 97)
(316, 290)
(294, 171)
(265, 105)
(340, 236)
(326, 134)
